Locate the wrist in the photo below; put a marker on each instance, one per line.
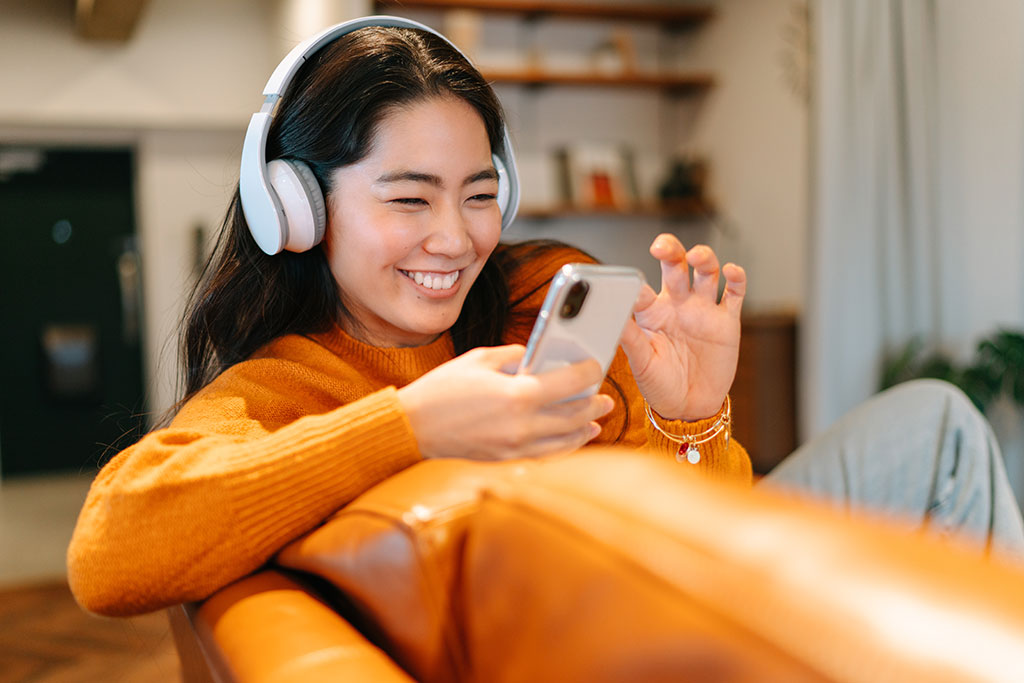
(691, 438)
(692, 416)
(411, 405)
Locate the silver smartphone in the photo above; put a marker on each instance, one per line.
(583, 316)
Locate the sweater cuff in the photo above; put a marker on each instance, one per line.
(710, 454)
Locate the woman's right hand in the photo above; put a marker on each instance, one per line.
(472, 407)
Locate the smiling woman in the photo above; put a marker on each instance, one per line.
(316, 365)
(412, 224)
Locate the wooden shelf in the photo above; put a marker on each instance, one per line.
(681, 210)
(671, 16)
(538, 77)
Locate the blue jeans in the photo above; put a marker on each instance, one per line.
(919, 452)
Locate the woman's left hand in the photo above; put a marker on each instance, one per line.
(684, 344)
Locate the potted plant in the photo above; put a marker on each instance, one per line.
(997, 368)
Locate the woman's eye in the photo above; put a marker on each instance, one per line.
(483, 197)
(409, 201)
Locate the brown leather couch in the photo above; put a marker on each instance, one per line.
(605, 566)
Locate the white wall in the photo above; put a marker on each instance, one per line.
(182, 89)
(981, 48)
(754, 128)
(981, 174)
(190, 64)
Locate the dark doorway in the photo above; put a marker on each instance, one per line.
(70, 305)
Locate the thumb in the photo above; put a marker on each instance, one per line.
(636, 345)
(645, 298)
(505, 358)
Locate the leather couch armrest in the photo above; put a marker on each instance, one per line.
(395, 554)
(268, 628)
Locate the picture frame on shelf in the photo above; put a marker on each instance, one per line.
(596, 177)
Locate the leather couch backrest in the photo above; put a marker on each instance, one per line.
(612, 565)
(607, 568)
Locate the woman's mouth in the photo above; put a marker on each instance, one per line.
(431, 280)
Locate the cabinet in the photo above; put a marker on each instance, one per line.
(623, 63)
(764, 392)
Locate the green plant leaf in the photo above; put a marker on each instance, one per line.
(997, 368)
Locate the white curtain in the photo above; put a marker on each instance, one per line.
(918, 170)
(874, 256)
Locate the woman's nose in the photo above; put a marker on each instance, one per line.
(449, 233)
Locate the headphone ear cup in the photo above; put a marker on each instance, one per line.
(503, 182)
(508, 182)
(299, 192)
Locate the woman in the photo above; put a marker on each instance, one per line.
(312, 376)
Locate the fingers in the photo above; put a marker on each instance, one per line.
(563, 443)
(504, 358)
(705, 271)
(676, 262)
(559, 427)
(559, 384)
(735, 288)
(545, 416)
(675, 275)
(587, 408)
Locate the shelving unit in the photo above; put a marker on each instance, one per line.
(669, 16)
(670, 210)
(535, 75)
(540, 77)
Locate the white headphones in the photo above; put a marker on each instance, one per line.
(282, 201)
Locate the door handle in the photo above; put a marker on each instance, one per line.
(129, 277)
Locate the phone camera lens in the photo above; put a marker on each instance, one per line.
(574, 299)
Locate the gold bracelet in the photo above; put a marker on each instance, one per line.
(688, 442)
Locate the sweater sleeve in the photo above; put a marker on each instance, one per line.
(194, 506)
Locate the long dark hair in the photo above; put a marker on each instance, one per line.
(328, 118)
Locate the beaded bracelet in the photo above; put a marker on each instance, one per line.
(688, 442)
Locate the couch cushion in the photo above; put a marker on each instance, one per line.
(605, 568)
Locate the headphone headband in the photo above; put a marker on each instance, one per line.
(274, 226)
(296, 57)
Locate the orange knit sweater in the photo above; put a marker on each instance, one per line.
(276, 444)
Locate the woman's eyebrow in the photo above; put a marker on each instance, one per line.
(486, 174)
(431, 179)
(406, 176)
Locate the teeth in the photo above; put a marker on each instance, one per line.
(434, 281)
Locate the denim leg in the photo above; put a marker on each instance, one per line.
(920, 452)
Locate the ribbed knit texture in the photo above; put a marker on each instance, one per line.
(275, 445)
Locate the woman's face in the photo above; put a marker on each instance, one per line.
(411, 225)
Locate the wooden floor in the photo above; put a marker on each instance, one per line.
(46, 638)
